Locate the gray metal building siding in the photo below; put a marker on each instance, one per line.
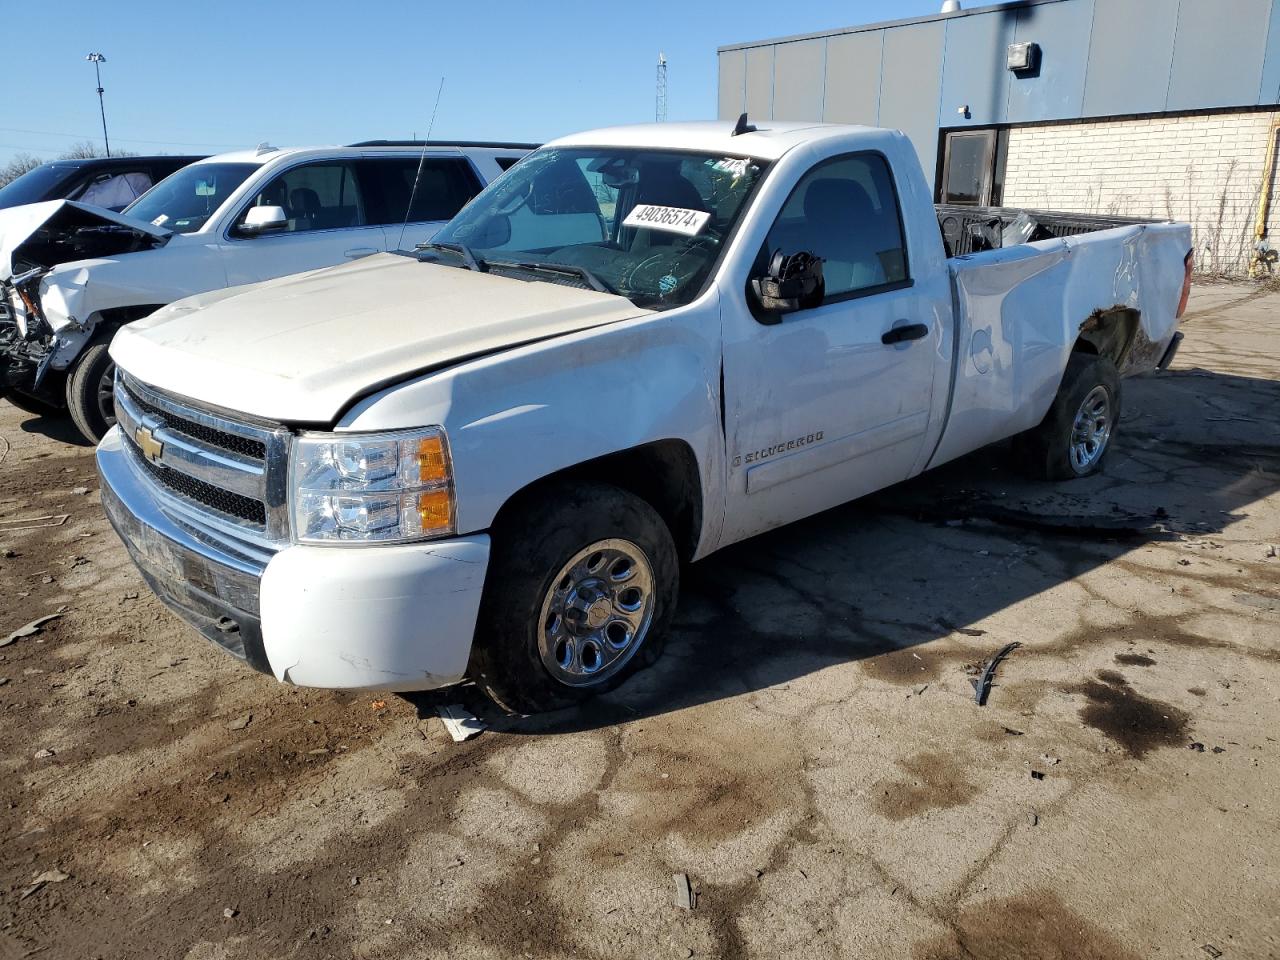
(1099, 58)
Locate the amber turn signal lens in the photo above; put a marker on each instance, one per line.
(432, 467)
(435, 510)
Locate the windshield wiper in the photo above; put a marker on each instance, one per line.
(461, 249)
(564, 269)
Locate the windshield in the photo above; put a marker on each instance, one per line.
(647, 224)
(34, 185)
(183, 202)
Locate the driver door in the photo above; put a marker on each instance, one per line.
(326, 224)
(832, 402)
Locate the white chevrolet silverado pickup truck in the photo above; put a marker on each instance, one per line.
(490, 458)
(71, 274)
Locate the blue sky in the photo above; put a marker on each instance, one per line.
(210, 77)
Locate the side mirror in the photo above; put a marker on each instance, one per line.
(264, 220)
(793, 282)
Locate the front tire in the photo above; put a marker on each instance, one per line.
(1075, 436)
(581, 588)
(89, 391)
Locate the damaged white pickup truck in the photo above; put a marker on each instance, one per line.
(71, 274)
(490, 458)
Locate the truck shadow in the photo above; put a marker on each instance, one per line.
(56, 425)
(901, 581)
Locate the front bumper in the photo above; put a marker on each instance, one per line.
(394, 618)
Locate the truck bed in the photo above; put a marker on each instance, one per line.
(969, 229)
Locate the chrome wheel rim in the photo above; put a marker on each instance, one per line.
(596, 613)
(106, 395)
(1092, 430)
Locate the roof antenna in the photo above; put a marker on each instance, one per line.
(742, 126)
(421, 161)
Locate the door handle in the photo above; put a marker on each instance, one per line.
(910, 331)
(355, 253)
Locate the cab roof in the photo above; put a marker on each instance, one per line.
(769, 141)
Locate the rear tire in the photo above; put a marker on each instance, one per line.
(89, 391)
(1075, 436)
(581, 588)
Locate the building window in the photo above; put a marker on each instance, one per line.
(973, 164)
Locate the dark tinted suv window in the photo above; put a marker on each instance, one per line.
(444, 187)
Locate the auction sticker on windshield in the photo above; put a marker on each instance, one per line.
(671, 219)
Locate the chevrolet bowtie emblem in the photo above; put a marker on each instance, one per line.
(151, 447)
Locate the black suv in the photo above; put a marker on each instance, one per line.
(111, 182)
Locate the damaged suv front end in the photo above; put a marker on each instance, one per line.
(46, 250)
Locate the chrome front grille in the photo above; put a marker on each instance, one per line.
(222, 473)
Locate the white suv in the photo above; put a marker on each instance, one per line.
(72, 273)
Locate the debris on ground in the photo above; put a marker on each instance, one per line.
(39, 883)
(30, 523)
(685, 897)
(1012, 732)
(1033, 818)
(1197, 746)
(79, 491)
(44, 753)
(982, 684)
(378, 705)
(1272, 551)
(460, 722)
(1211, 950)
(240, 722)
(28, 630)
(230, 912)
(920, 689)
(1037, 774)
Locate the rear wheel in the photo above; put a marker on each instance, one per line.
(1076, 434)
(90, 390)
(582, 584)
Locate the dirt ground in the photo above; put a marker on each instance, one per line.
(808, 752)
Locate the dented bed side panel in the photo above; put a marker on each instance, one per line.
(1020, 311)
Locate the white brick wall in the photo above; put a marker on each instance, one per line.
(1206, 170)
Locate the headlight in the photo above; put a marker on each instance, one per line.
(371, 488)
(18, 308)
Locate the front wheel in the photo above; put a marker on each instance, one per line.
(1076, 434)
(90, 389)
(581, 587)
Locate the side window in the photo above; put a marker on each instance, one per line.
(506, 163)
(444, 187)
(845, 210)
(316, 196)
(116, 191)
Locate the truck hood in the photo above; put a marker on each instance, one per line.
(60, 231)
(301, 348)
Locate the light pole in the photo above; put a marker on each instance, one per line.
(95, 59)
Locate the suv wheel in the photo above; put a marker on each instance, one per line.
(90, 391)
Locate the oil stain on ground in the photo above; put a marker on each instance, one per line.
(1033, 926)
(934, 781)
(1137, 723)
(1134, 660)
